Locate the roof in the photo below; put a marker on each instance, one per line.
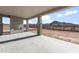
(25, 11)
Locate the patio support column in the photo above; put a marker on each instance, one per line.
(27, 25)
(1, 26)
(39, 26)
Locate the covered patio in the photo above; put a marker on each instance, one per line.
(20, 41)
(19, 13)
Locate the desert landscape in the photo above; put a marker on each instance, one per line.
(62, 35)
(70, 36)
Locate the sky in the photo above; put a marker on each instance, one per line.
(6, 20)
(69, 15)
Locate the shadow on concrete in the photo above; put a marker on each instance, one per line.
(7, 41)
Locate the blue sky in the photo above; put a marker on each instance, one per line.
(69, 15)
(6, 20)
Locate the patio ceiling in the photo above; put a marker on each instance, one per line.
(26, 11)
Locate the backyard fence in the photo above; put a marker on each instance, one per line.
(57, 27)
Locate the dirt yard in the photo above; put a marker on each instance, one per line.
(63, 35)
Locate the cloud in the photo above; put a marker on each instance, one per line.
(33, 21)
(46, 19)
(6, 20)
(67, 13)
(30, 22)
(75, 11)
(59, 15)
(24, 21)
(71, 12)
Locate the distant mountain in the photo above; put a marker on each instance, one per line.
(61, 23)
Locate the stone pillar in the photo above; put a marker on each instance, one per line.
(1, 26)
(16, 24)
(39, 26)
(27, 25)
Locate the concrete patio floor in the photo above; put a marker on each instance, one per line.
(16, 35)
(37, 44)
